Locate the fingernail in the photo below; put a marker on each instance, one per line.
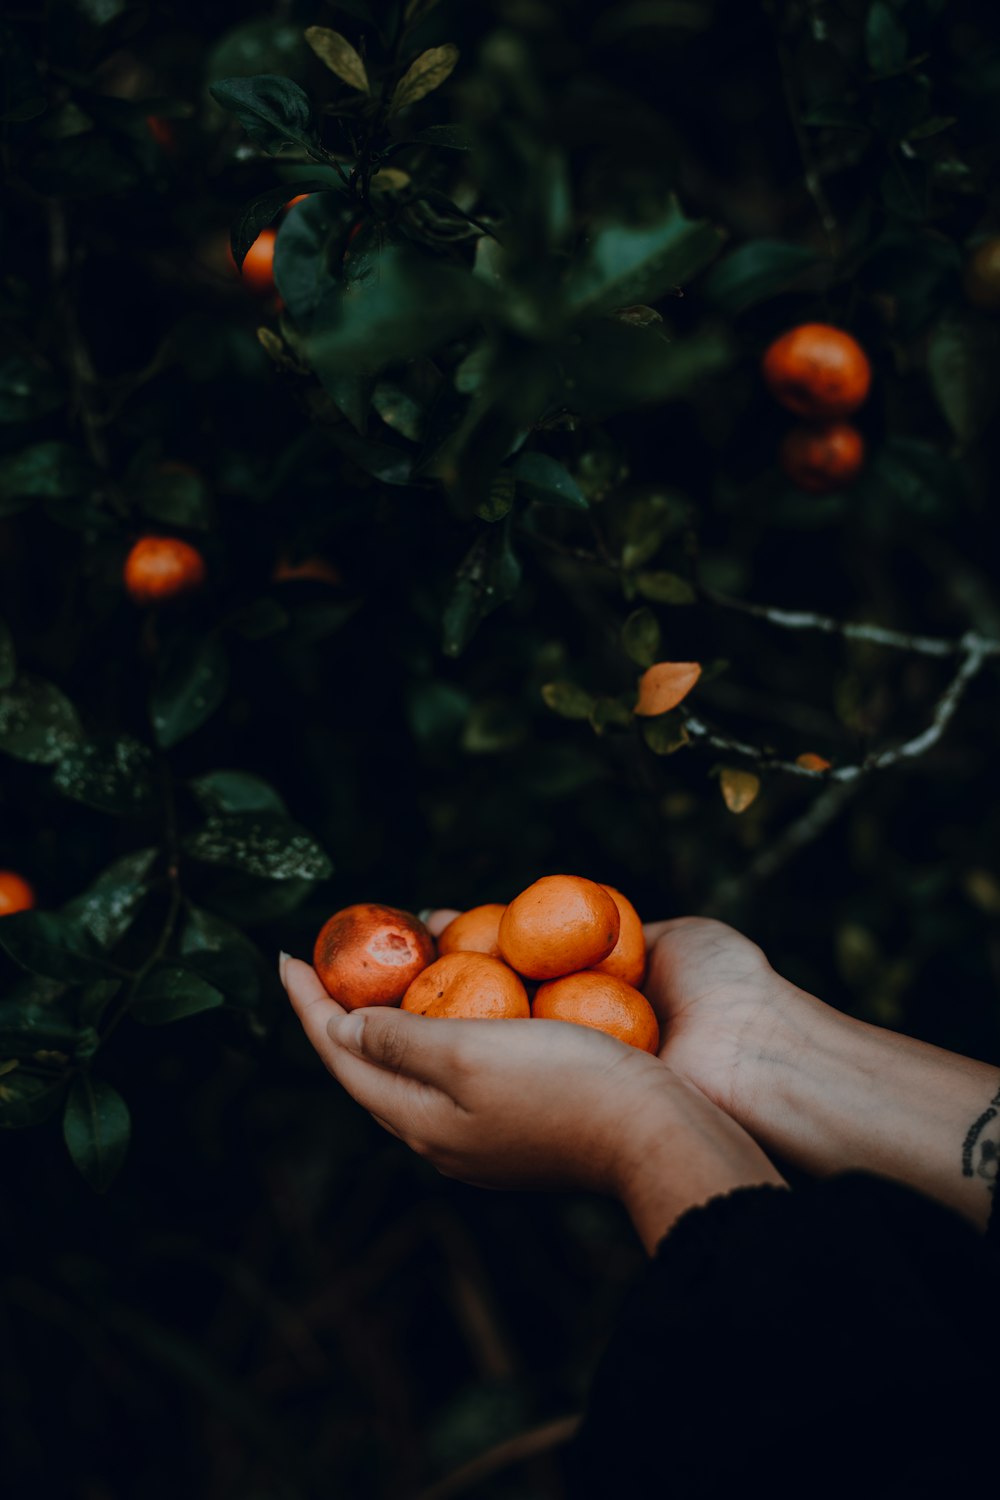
(425, 913)
(348, 1031)
(283, 958)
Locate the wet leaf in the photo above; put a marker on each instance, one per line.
(273, 110)
(96, 1128)
(192, 683)
(336, 52)
(109, 905)
(236, 791)
(265, 844)
(488, 576)
(425, 74)
(666, 684)
(548, 482)
(37, 722)
(739, 788)
(50, 943)
(113, 776)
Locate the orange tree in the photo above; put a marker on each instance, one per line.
(489, 551)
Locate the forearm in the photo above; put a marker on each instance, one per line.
(841, 1095)
(688, 1152)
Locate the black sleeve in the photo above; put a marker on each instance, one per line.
(838, 1340)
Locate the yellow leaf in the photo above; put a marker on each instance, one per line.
(809, 761)
(339, 56)
(663, 685)
(739, 788)
(427, 73)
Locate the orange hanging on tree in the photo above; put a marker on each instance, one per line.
(161, 567)
(816, 370)
(824, 458)
(16, 893)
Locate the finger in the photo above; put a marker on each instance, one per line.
(437, 921)
(311, 1004)
(415, 1047)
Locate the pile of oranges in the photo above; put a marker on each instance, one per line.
(577, 945)
(822, 374)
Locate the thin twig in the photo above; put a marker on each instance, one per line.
(815, 820)
(514, 1450)
(813, 181)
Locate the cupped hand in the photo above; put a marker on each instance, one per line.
(495, 1103)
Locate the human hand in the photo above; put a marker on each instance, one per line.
(531, 1104)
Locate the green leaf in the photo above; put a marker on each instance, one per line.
(425, 73)
(28, 389)
(170, 993)
(34, 1017)
(192, 683)
(236, 791)
(177, 498)
(309, 251)
(113, 776)
(665, 733)
(756, 272)
(641, 637)
(447, 137)
(273, 111)
(109, 905)
(609, 713)
(263, 210)
(567, 700)
(611, 366)
(37, 723)
(220, 953)
(436, 711)
(336, 52)
(665, 588)
(488, 576)
(265, 844)
(48, 470)
(624, 264)
(500, 498)
(886, 41)
(962, 365)
(548, 482)
(22, 91)
(96, 1128)
(50, 943)
(8, 658)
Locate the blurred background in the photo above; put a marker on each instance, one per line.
(409, 676)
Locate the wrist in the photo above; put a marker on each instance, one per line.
(683, 1152)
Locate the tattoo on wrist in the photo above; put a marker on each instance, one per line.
(981, 1158)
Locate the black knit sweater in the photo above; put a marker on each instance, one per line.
(839, 1340)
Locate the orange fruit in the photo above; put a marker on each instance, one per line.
(821, 459)
(316, 569)
(602, 1001)
(299, 198)
(369, 954)
(559, 924)
(982, 275)
(160, 567)
(627, 959)
(474, 931)
(468, 987)
(258, 267)
(15, 893)
(817, 371)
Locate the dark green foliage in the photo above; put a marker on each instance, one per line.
(508, 393)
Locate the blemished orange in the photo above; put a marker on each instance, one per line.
(306, 569)
(816, 370)
(258, 267)
(468, 987)
(16, 893)
(559, 924)
(161, 567)
(627, 959)
(603, 1002)
(474, 931)
(824, 458)
(369, 954)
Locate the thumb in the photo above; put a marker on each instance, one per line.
(414, 1046)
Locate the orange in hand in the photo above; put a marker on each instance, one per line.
(558, 925)
(603, 1002)
(817, 371)
(468, 987)
(825, 458)
(627, 959)
(369, 954)
(16, 894)
(474, 931)
(160, 567)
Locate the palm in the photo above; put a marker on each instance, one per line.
(714, 993)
